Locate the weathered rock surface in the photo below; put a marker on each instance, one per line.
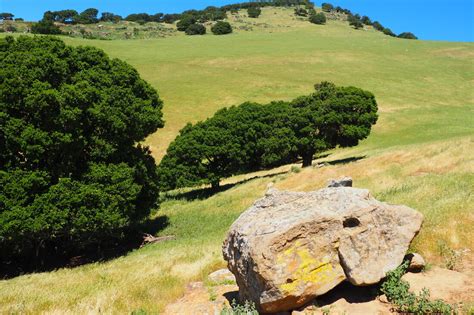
(221, 275)
(417, 263)
(341, 182)
(290, 247)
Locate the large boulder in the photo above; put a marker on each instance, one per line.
(290, 247)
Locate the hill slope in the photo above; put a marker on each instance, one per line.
(420, 153)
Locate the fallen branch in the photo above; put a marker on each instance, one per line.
(149, 239)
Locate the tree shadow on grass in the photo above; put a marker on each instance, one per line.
(204, 193)
(346, 160)
(132, 239)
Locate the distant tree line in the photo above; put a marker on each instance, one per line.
(358, 21)
(188, 21)
(251, 136)
(5, 16)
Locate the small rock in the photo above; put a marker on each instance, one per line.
(341, 182)
(221, 275)
(417, 263)
(382, 298)
(194, 285)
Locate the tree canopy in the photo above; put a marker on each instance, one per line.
(185, 22)
(251, 136)
(71, 172)
(254, 12)
(196, 29)
(221, 28)
(327, 7)
(318, 18)
(407, 35)
(6, 16)
(45, 27)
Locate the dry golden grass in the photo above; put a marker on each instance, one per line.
(435, 178)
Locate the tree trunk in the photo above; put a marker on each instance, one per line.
(308, 159)
(215, 185)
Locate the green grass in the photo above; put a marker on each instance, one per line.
(419, 154)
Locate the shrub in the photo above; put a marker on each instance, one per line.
(195, 29)
(248, 308)
(301, 12)
(366, 20)
(327, 7)
(397, 292)
(355, 22)
(184, 23)
(221, 28)
(295, 169)
(254, 12)
(389, 32)
(71, 173)
(10, 28)
(378, 26)
(407, 35)
(318, 18)
(45, 27)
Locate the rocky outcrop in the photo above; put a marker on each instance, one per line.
(290, 247)
(341, 182)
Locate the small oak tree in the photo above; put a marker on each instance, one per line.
(221, 28)
(318, 18)
(71, 172)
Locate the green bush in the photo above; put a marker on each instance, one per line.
(389, 32)
(378, 26)
(355, 22)
(221, 28)
(397, 292)
(301, 12)
(45, 27)
(254, 12)
(318, 18)
(407, 35)
(366, 20)
(196, 29)
(71, 173)
(248, 308)
(184, 23)
(10, 28)
(327, 7)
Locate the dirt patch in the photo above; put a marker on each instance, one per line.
(450, 286)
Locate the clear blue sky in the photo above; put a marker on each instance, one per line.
(451, 20)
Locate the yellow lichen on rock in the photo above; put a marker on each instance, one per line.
(306, 270)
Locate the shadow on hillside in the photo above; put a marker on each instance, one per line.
(346, 160)
(204, 193)
(48, 261)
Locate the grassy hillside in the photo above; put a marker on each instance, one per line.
(421, 153)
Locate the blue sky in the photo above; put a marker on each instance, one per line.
(451, 20)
